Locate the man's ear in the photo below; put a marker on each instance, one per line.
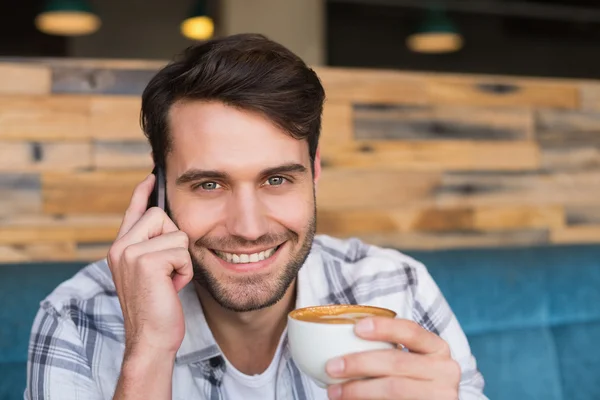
(317, 166)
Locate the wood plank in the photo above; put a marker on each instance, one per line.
(115, 118)
(405, 122)
(570, 159)
(19, 194)
(377, 86)
(583, 214)
(500, 92)
(519, 217)
(37, 252)
(122, 155)
(10, 254)
(101, 192)
(91, 251)
(393, 220)
(577, 234)
(46, 156)
(590, 96)
(560, 129)
(341, 189)
(97, 80)
(525, 188)
(24, 79)
(87, 63)
(44, 118)
(452, 240)
(436, 155)
(429, 219)
(45, 229)
(337, 125)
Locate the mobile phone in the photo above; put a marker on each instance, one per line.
(158, 197)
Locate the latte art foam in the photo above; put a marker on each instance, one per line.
(351, 316)
(339, 314)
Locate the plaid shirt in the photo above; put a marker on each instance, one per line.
(77, 340)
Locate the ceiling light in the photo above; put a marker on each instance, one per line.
(199, 26)
(436, 35)
(67, 18)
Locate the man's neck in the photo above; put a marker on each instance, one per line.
(248, 340)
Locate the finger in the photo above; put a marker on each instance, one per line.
(137, 205)
(401, 331)
(390, 388)
(176, 263)
(163, 242)
(153, 223)
(380, 363)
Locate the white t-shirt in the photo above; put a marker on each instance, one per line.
(239, 386)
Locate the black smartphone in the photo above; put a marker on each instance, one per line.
(158, 197)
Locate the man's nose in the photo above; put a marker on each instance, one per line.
(246, 215)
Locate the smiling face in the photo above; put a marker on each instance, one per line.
(243, 191)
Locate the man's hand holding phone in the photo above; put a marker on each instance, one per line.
(150, 263)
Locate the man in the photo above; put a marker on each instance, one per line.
(191, 302)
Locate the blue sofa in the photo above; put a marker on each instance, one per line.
(532, 316)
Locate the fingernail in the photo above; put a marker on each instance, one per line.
(334, 391)
(335, 366)
(365, 326)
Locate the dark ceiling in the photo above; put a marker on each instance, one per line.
(555, 38)
(524, 37)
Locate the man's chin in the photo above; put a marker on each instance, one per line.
(243, 288)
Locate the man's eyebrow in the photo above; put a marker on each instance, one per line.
(282, 169)
(193, 175)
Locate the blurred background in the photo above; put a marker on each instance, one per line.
(465, 133)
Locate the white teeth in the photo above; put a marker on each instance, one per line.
(246, 258)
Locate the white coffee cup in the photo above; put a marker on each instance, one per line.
(314, 341)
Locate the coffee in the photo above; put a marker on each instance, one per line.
(339, 314)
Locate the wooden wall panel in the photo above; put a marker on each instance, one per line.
(44, 117)
(25, 79)
(410, 160)
(436, 156)
(362, 86)
(19, 194)
(533, 189)
(501, 92)
(45, 156)
(455, 240)
(115, 118)
(393, 122)
(122, 155)
(89, 192)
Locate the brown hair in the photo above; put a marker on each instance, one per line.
(247, 71)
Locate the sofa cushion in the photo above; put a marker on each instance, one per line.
(500, 289)
(579, 360)
(519, 364)
(12, 380)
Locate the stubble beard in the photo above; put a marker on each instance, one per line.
(261, 291)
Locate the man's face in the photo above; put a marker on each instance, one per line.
(243, 191)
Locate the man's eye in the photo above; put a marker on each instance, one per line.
(275, 181)
(209, 186)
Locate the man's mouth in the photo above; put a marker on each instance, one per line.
(246, 258)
